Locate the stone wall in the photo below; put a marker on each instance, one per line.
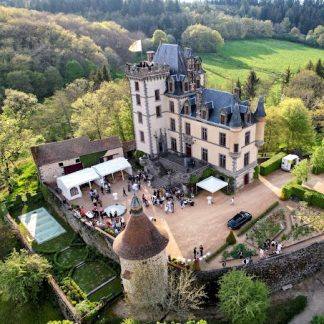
(275, 271)
(92, 236)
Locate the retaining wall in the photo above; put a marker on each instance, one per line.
(276, 271)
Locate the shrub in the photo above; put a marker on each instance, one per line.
(208, 172)
(318, 319)
(138, 154)
(231, 240)
(217, 252)
(241, 248)
(85, 307)
(256, 172)
(294, 190)
(272, 164)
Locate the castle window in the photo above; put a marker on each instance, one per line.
(186, 86)
(61, 164)
(222, 139)
(171, 86)
(173, 144)
(187, 129)
(204, 114)
(74, 191)
(222, 161)
(236, 148)
(186, 109)
(158, 111)
(247, 138)
(142, 138)
(157, 95)
(223, 119)
(140, 117)
(248, 118)
(204, 133)
(204, 154)
(198, 82)
(171, 106)
(246, 159)
(77, 161)
(138, 99)
(172, 124)
(136, 86)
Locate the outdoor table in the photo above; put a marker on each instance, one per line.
(120, 209)
(89, 214)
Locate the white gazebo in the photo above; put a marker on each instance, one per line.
(70, 183)
(212, 184)
(112, 166)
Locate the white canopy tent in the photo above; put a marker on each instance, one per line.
(212, 184)
(70, 183)
(112, 166)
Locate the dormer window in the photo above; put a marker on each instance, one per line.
(186, 109)
(223, 119)
(248, 118)
(186, 86)
(204, 114)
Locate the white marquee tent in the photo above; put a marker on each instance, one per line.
(212, 184)
(113, 166)
(70, 183)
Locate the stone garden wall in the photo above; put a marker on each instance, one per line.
(92, 236)
(276, 271)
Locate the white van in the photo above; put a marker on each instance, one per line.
(289, 161)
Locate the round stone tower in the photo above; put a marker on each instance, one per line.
(141, 248)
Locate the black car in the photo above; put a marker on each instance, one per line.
(239, 219)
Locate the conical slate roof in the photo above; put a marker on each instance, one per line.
(260, 112)
(140, 239)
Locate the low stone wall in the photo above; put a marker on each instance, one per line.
(92, 236)
(276, 271)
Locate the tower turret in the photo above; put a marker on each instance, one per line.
(141, 248)
(259, 116)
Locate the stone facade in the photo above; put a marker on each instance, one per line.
(172, 113)
(146, 280)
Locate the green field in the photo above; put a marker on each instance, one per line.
(268, 57)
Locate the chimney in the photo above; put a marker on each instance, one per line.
(237, 93)
(150, 55)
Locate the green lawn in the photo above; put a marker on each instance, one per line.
(72, 256)
(268, 57)
(91, 275)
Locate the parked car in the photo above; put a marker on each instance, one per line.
(238, 220)
(289, 161)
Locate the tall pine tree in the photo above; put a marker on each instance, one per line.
(319, 68)
(251, 85)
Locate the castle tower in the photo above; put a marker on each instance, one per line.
(141, 248)
(260, 115)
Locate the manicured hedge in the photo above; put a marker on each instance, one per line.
(272, 164)
(246, 227)
(294, 190)
(217, 252)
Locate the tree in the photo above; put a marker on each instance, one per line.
(317, 319)
(319, 68)
(310, 65)
(273, 130)
(297, 131)
(243, 300)
(308, 86)
(202, 39)
(251, 85)
(73, 70)
(231, 240)
(238, 87)
(53, 79)
(317, 159)
(22, 275)
(286, 76)
(301, 171)
(159, 36)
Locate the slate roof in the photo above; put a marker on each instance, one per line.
(172, 55)
(236, 120)
(71, 149)
(260, 112)
(218, 102)
(141, 239)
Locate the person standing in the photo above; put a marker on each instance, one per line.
(201, 249)
(124, 192)
(195, 253)
(232, 201)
